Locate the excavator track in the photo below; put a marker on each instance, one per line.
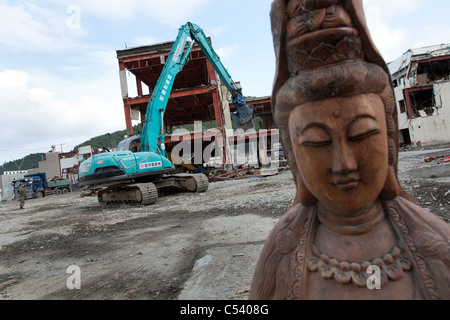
(138, 194)
(202, 182)
(149, 193)
(185, 182)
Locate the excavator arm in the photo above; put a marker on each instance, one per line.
(152, 139)
(153, 128)
(244, 113)
(137, 177)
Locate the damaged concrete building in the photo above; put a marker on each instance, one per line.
(198, 96)
(421, 79)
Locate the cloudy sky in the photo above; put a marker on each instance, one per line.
(59, 80)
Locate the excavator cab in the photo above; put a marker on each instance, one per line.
(130, 144)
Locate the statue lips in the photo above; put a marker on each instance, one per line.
(347, 184)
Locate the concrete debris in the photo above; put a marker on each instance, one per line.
(430, 159)
(442, 159)
(247, 173)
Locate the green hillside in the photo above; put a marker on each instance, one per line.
(108, 140)
(28, 162)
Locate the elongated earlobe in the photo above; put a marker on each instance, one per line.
(391, 188)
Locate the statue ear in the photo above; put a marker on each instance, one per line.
(303, 196)
(391, 188)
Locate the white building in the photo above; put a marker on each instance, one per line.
(57, 164)
(64, 165)
(422, 89)
(6, 190)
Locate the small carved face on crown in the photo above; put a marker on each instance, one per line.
(340, 146)
(319, 33)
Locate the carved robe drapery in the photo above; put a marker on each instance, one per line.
(283, 273)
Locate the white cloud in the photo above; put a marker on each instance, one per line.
(431, 35)
(173, 12)
(227, 52)
(217, 31)
(397, 26)
(144, 41)
(169, 12)
(391, 9)
(28, 27)
(33, 117)
(33, 27)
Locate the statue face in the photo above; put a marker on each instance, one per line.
(341, 150)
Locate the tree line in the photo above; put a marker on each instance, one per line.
(31, 161)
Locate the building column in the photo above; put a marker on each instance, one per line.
(218, 110)
(408, 104)
(124, 89)
(128, 123)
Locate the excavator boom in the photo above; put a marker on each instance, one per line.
(153, 131)
(136, 177)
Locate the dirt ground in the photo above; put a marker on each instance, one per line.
(186, 246)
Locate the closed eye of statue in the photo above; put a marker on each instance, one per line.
(314, 136)
(363, 128)
(365, 135)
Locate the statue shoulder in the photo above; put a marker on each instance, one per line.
(282, 241)
(413, 214)
(290, 226)
(428, 239)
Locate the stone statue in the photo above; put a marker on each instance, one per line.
(352, 232)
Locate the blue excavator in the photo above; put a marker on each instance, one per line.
(135, 177)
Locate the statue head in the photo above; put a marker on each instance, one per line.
(334, 104)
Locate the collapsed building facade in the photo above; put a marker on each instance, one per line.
(421, 79)
(198, 96)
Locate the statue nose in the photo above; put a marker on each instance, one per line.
(344, 160)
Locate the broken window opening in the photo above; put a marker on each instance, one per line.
(405, 134)
(402, 105)
(438, 70)
(422, 103)
(398, 82)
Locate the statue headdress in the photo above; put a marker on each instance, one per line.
(323, 50)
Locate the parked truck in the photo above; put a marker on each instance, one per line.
(37, 186)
